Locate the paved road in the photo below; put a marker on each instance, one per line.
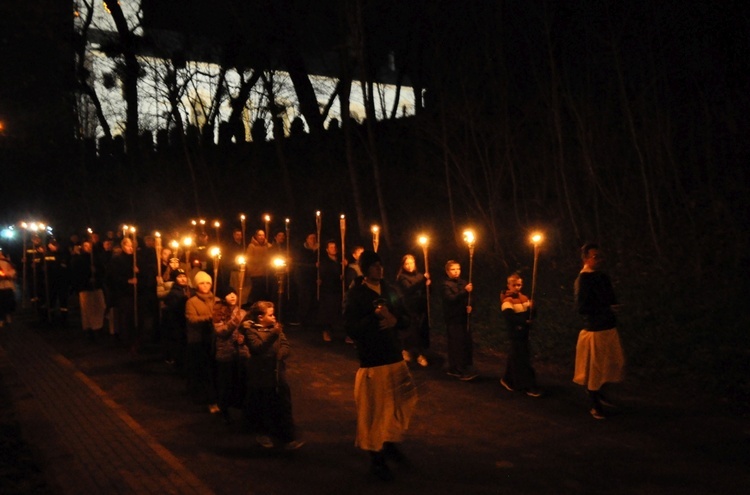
(108, 423)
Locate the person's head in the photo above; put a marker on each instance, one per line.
(331, 249)
(515, 283)
(229, 295)
(166, 254)
(174, 263)
(127, 245)
(356, 252)
(371, 266)
(53, 245)
(180, 277)
(107, 244)
(202, 282)
(591, 256)
(408, 263)
(86, 247)
(149, 241)
(280, 237)
(311, 240)
(237, 235)
(453, 269)
(94, 237)
(260, 236)
(261, 312)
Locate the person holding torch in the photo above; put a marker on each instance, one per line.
(517, 309)
(456, 311)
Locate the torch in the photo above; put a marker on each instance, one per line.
(342, 228)
(375, 237)
(288, 285)
(242, 222)
(470, 240)
(187, 242)
(536, 238)
(279, 265)
(317, 280)
(157, 241)
(24, 290)
(216, 255)
(241, 261)
(216, 226)
(135, 276)
(267, 221)
(424, 241)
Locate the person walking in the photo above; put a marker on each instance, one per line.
(516, 308)
(456, 312)
(599, 356)
(269, 396)
(384, 393)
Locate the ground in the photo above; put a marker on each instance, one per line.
(473, 437)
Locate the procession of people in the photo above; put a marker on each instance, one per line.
(217, 314)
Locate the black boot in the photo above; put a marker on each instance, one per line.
(596, 410)
(392, 452)
(378, 467)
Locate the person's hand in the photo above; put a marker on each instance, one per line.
(469, 287)
(159, 280)
(276, 329)
(387, 320)
(240, 339)
(468, 310)
(133, 281)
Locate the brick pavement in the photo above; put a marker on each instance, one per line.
(90, 443)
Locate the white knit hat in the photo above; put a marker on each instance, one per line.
(201, 277)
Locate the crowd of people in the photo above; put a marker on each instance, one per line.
(217, 319)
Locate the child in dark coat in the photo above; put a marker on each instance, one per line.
(269, 397)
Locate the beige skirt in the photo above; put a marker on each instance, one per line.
(599, 359)
(385, 397)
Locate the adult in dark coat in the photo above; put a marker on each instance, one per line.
(385, 395)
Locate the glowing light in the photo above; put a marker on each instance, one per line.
(469, 237)
(241, 261)
(375, 229)
(536, 238)
(175, 245)
(187, 241)
(278, 262)
(217, 224)
(423, 240)
(215, 252)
